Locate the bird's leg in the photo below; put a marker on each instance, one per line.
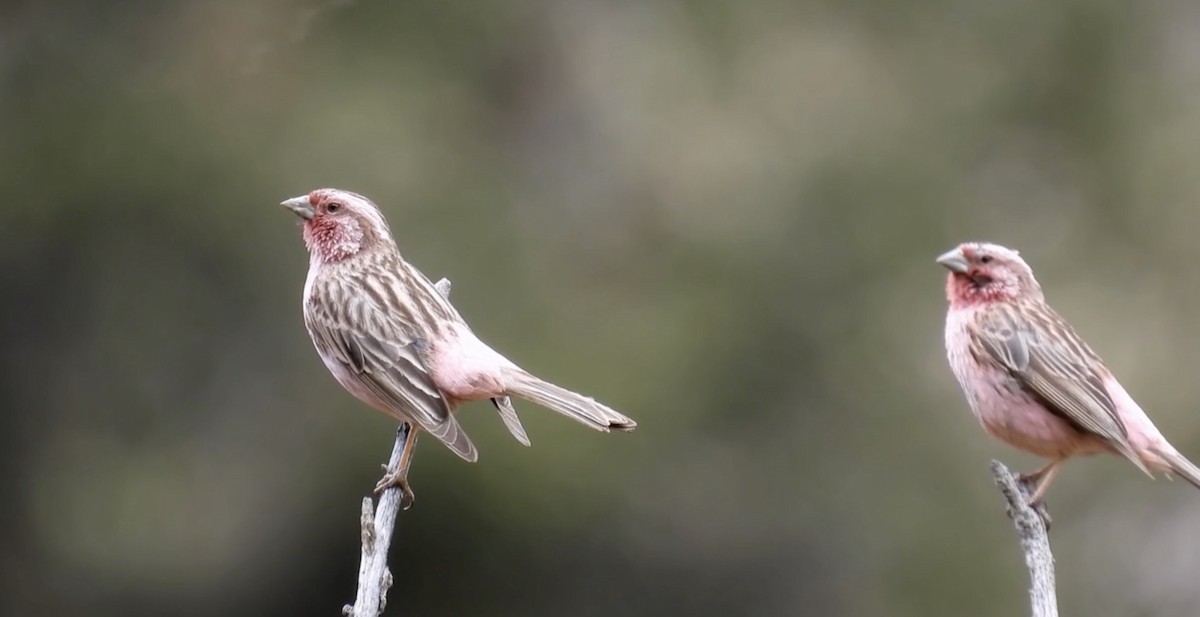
(1045, 477)
(1029, 481)
(1036, 484)
(398, 477)
(1040, 480)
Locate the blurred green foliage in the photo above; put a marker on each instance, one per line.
(720, 218)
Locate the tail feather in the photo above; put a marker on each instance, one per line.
(580, 408)
(511, 420)
(1181, 466)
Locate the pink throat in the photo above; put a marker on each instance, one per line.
(330, 240)
(963, 293)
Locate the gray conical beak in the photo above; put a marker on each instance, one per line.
(954, 261)
(300, 206)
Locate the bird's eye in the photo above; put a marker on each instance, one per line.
(986, 259)
(332, 207)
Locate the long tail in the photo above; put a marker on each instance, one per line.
(580, 408)
(1181, 466)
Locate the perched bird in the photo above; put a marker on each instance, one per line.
(1031, 380)
(394, 341)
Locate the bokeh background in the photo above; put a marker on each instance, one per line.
(720, 218)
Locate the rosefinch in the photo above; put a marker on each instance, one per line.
(392, 340)
(1029, 378)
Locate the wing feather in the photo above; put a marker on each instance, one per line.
(383, 353)
(1046, 356)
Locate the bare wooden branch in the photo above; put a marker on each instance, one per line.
(374, 578)
(377, 524)
(1032, 530)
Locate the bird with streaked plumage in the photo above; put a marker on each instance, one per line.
(1032, 382)
(396, 343)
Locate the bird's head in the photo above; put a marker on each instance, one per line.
(981, 273)
(339, 224)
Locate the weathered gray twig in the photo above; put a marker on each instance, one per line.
(1035, 542)
(374, 578)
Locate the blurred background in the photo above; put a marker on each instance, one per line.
(719, 218)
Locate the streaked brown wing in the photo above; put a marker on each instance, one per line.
(1045, 354)
(385, 357)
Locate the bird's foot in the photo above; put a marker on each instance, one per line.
(1043, 512)
(1029, 482)
(397, 480)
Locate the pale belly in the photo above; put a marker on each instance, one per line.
(355, 386)
(1008, 412)
(1015, 417)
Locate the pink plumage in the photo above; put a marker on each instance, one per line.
(1032, 382)
(395, 342)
